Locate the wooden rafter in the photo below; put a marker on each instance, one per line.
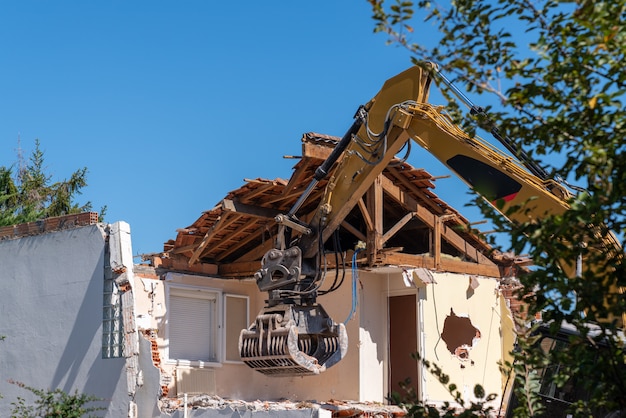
(235, 206)
(394, 229)
(453, 266)
(297, 177)
(415, 190)
(366, 215)
(243, 242)
(221, 223)
(426, 216)
(282, 198)
(263, 187)
(181, 250)
(257, 252)
(354, 231)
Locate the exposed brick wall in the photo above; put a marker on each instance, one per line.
(510, 292)
(48, 224)
(156, 357)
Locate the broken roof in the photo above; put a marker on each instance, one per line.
(231, 238)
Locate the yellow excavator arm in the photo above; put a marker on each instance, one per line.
(293, 335)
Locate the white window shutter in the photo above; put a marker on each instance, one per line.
(192, 326)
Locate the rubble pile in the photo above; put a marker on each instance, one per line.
(344, 409)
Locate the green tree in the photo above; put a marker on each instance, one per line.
(54, 404)
(551, 73)
(29, 194)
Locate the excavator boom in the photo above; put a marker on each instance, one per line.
(293, 335)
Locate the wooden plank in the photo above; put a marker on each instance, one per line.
(181, 250)
(180, 263)
(415, 190)
(297, 177)
(392, 231)
(446, 265)
(239, 269)
(366, 216)
(243, 242)
(258, 251)
(221, 223)
(426, 216)
(316, 151)
(235, 206)
(437, 242)
(358, 234)
(263, 187)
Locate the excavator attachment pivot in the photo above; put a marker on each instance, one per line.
(293, 340)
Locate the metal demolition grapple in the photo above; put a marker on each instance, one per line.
(291, 340)
(293, 335)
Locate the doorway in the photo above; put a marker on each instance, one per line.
(402, 342)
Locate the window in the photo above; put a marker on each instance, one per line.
(236, 318)
(112, 319)
(193, 324)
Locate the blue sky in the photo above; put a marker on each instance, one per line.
(170, 105)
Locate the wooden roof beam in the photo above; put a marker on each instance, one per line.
(415, 190)
(221, 223)
(351, 229)
(366, 215)
(428, 218)
(243, 242)
(263, 187)
(453, 266)
(236, 206)
(394, 229)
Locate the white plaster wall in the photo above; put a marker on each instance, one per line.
(362, 374)
(238, 381)
(51, 315)
(483, 308)
(372, 342)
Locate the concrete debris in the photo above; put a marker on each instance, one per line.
(347, 409)
(336, 408)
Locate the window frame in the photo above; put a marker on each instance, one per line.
(225, 328)
(215, 294)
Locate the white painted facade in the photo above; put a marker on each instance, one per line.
(52, 317)
(363, 375)
(51, 307)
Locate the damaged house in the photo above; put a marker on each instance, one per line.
(423, 284)
(299, 297)
(403, 274)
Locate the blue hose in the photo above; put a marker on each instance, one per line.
(355, 279)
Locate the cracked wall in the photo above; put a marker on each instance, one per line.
(462, 334)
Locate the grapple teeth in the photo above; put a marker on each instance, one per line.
(288, 340)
